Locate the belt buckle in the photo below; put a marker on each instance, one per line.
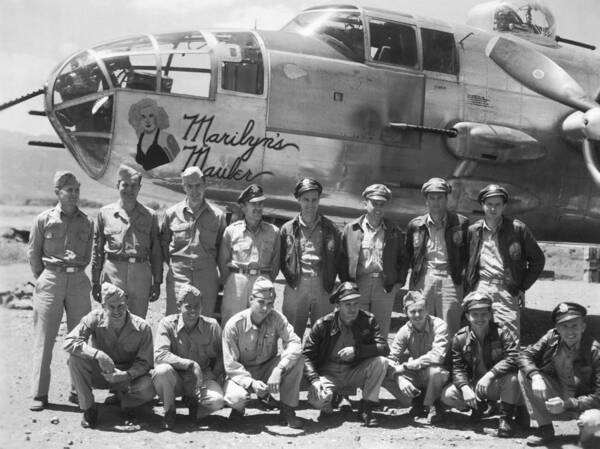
(252, 271)
(131, 260)
(70, 270)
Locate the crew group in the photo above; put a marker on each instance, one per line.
(474, 274)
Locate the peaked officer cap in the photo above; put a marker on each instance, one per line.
(307, 184)
(436, 185)
(377, 192)
(251, 194)
(492, 190)
(64, 178)
(344, 292)
(566, 311)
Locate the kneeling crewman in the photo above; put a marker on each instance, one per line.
(118, 357)
(484, 365)
(417, 374)
(560, 374)
(250, 357)
(346, 349)
(189, 359)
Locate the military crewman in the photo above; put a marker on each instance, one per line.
(111, 348)
(189, 361)
(251, 359)
(417, 356)
(249, 248)
(310, 258)
(436, 245)
(190, 236)
(345, 349)
(560, 375)
(60, 248)
(484, 365)
(504, 258)
(127, 250)
(373, 256)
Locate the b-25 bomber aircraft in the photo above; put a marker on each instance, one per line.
(350, 96)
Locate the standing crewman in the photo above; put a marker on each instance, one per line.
(60, 247)
(310, 258)
(191, 235)
(127, 249)
(436, 244)
(504, 258)
(249, 248)
(372, 255)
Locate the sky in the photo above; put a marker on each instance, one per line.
(36, 35)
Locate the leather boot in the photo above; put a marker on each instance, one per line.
(366, 414)
(506, 428)
(288, 414)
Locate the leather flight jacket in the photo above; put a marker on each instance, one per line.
(521, 255)
(290, 252)
(395, 265)
(500, 351)
(368, 341)
(417, 236)
(538, 358)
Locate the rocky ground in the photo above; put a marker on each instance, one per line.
(58, 426)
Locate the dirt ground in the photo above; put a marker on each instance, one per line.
(58, 426)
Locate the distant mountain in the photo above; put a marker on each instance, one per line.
(26, 172)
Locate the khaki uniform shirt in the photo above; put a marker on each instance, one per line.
(490, 261)
(179, 347)
(370, 257)
(128, 235)
(427, 347)
(311, 245)
(246, 344)
(130, 350)
(189, 239)
(436, 254)
(61, 240)
(243, 248)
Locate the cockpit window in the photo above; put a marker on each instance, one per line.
(439, 51)
(242, 62)
(341, 30)
(393, 43)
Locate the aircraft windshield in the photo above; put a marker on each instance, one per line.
(516, 16)
(342, 30)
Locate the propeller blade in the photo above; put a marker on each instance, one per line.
(26, 97)
(591, 121)
(589, 158)
(538, 72)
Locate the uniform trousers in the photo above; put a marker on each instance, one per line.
(236, 292)
(537, 408)
(170, 383)
(504, 306)
(431, 379)
(205, 279)
(237, 397)
(135, 279)
(504, 388)
(374, 299)
(86, 375)
(368, 375)
(442, 297)
(309, 297)
(53, 293)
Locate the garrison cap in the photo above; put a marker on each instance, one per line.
(64, 178)
(109, 290)
(192, 174)
(492, 190)
(251, 194)
(307, 184)
(344, 292)
(187, 290)
(263, 288)
(412, 297)
(126, 173)
(566, 311)
(377, 192)
(436, 185)
(476, 300)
